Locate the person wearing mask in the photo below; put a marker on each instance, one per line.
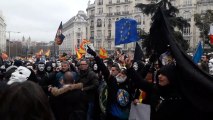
(42, 77)
(90, 85)
(119, 90)
(49, 67)
(22, 74)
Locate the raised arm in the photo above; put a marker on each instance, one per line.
(100, 64)
(136, 78)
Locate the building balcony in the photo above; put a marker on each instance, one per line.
(117, 13)
(204, 2)
(91, 27)
(109, 14)
(118, 3)
(109, 38)
(186, 5)
(109, 26)
(100, 3)
(98, 37)
(125, 13)
(91, 16)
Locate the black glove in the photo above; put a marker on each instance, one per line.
(91, 52)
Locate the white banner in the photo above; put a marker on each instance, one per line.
(140, 112)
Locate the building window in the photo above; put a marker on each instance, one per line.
(99, 23)
(109, 33)
(92, 34)
(100, 2)
(78, 34)
(186, 31)
(110, 9)
(138, 19)
(118, 1)
(98, 44)
(99, 34)
(109, 45)
(187, 2)
(78, 43)
(126, 7)
(100, 11)
(92, 13)
(110, 21)
(187, 16)
(118, 8)
(126, 0)
(110, 1)
(92, 23)
(109, 24)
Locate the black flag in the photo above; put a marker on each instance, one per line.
(196, 85)
(138, 53)
(59, 36)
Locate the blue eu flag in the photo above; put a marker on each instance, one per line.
(198, 54)
(126, 31)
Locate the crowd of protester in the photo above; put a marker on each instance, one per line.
(70, 89)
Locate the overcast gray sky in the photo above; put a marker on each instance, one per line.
(38, 19)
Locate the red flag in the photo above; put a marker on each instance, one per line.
(79, 56)
(103, 53)
(59, 37)
(211, 34)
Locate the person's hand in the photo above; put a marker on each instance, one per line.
(49, 88)
(128, 63)
(121, 58)
(136, 101)
(91, 52)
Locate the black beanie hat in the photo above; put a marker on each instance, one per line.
(18, 63)
(169, 71)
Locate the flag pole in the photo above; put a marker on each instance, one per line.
(54, 51)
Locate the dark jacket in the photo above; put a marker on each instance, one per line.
(205, 66)
(115, 108)
(90, 83)
(43, 80)
(167, 103)
(69, 106)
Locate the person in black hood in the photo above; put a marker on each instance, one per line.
(167, 101)
(18, 63)
(49, 67)
(42, 76)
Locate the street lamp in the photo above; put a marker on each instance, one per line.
(9, 39)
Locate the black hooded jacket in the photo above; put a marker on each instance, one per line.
(167, 102)
(113, 89)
